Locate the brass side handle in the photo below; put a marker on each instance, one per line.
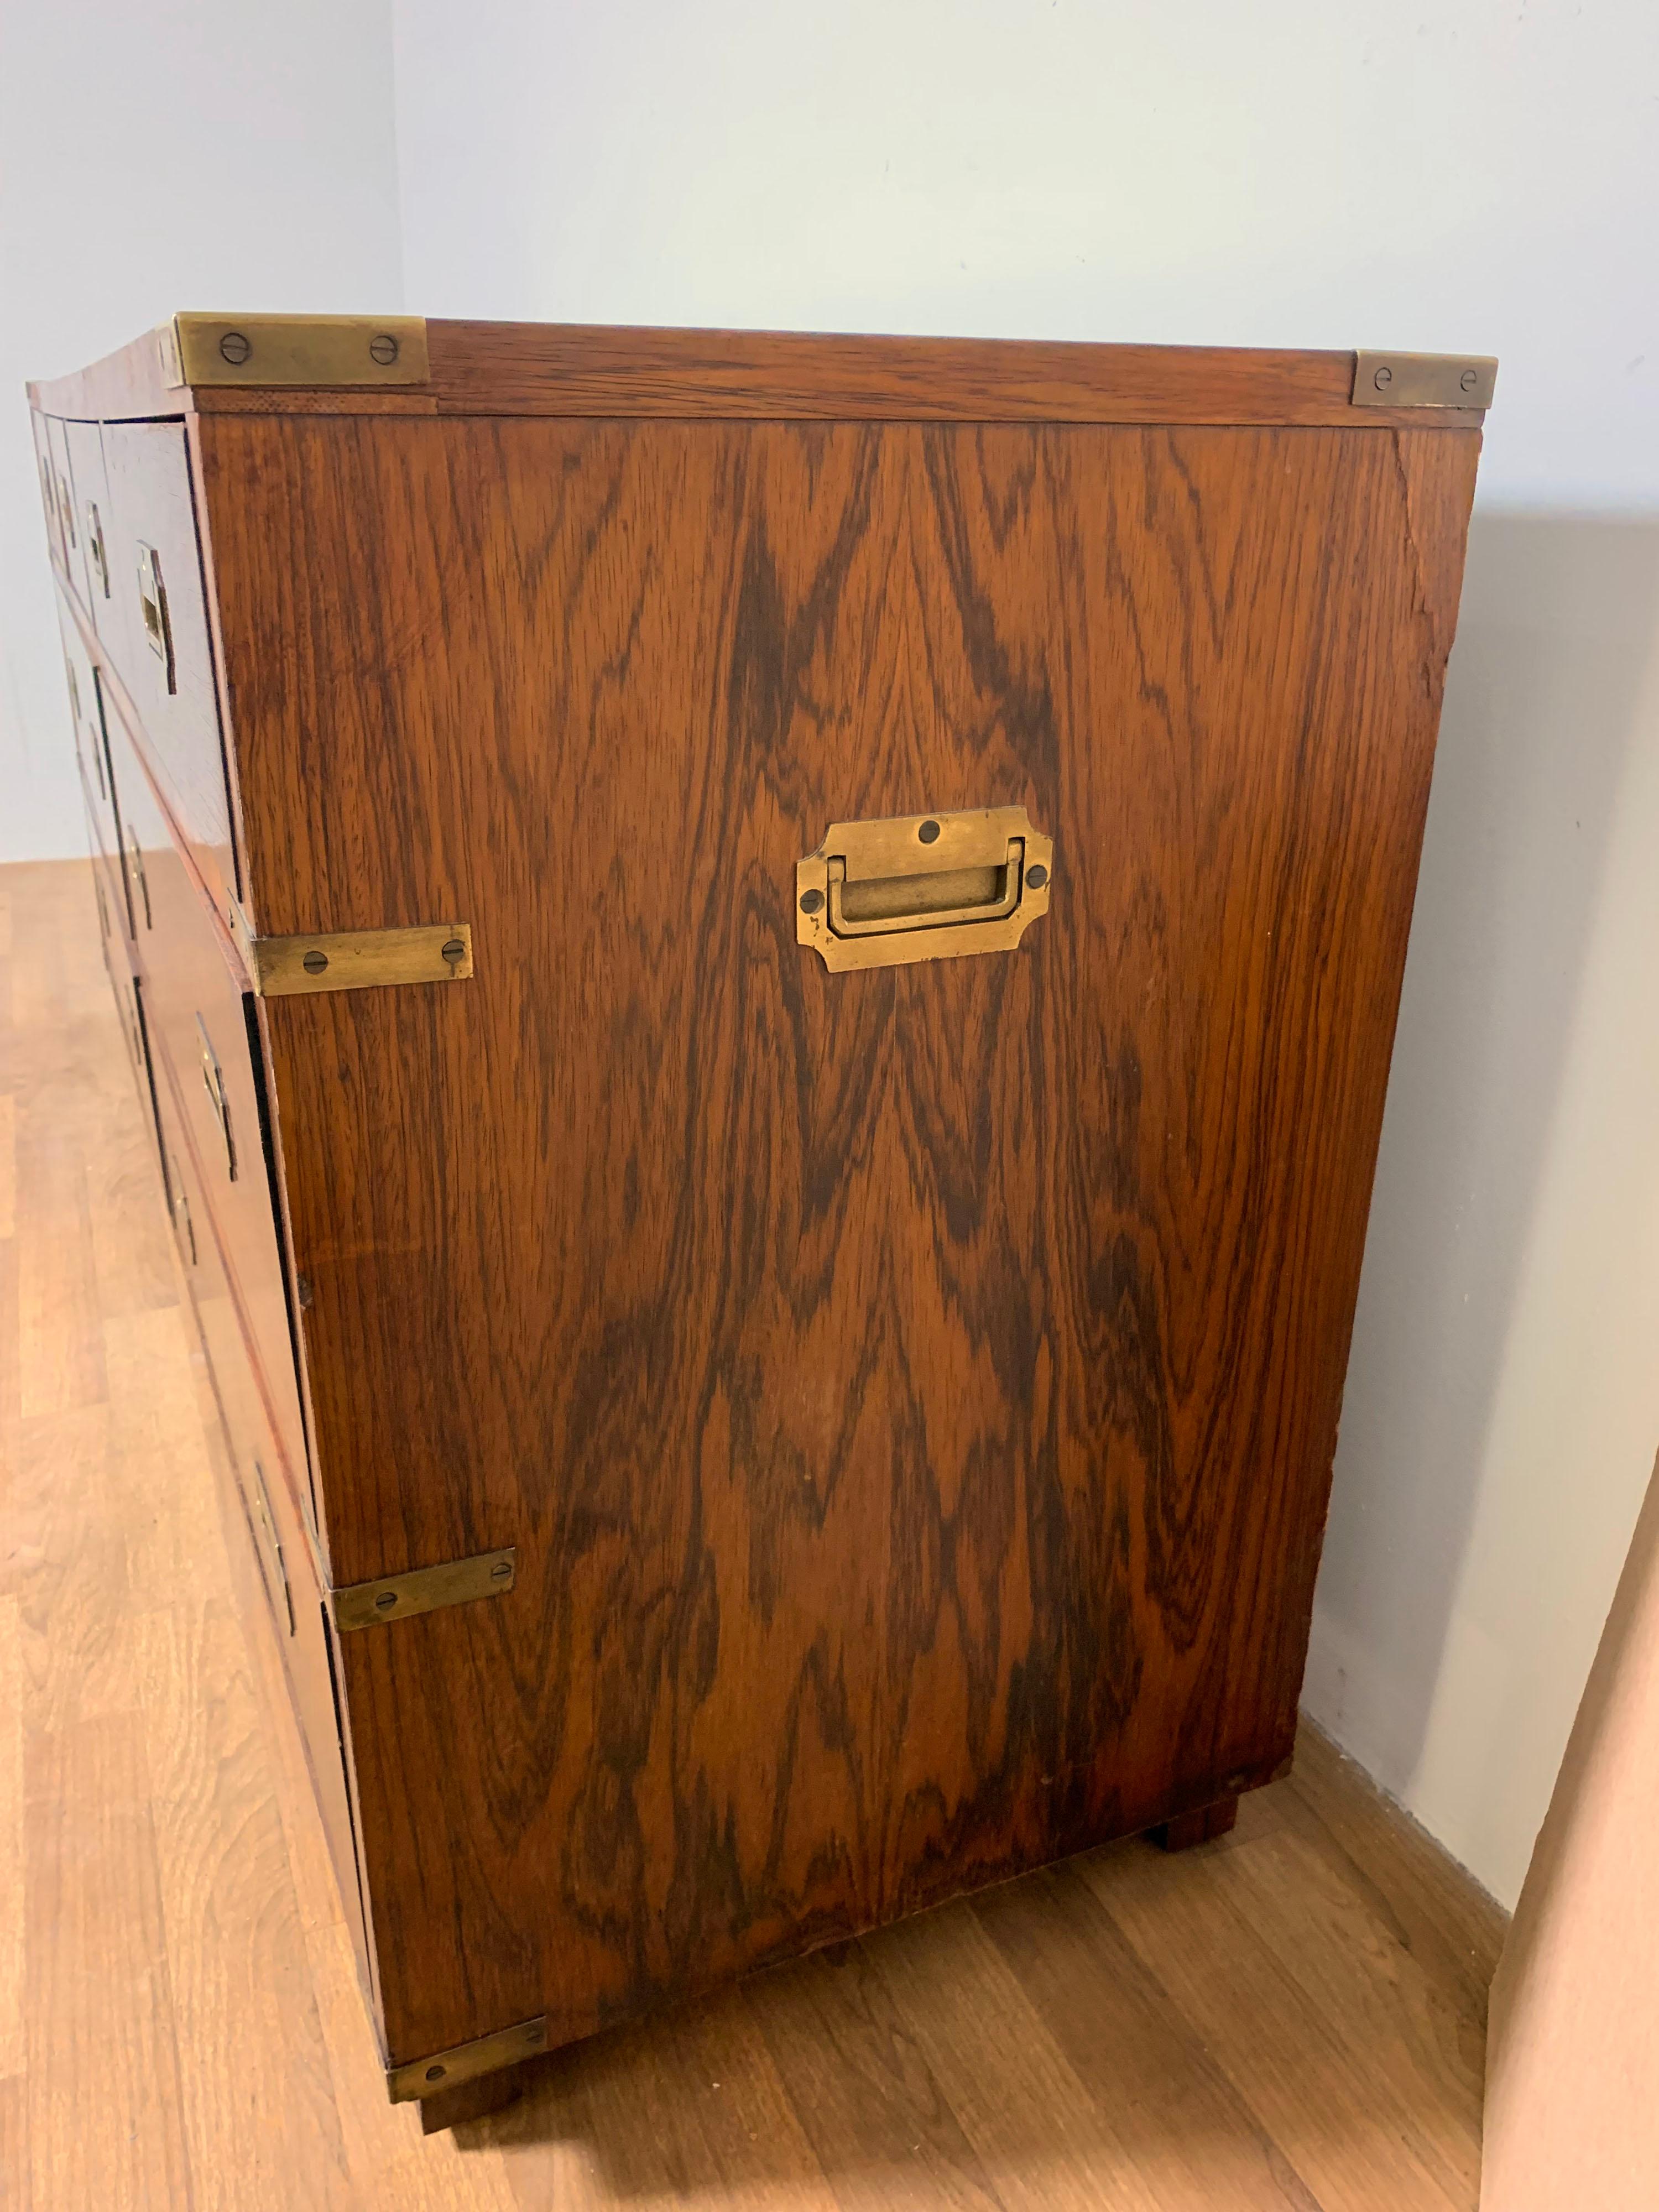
(915, 887)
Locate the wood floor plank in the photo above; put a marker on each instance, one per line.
(15, 2187)
(867, 2100)
(1192, 2138)
(1449, 1925)
(104, 2118)
(257, 2096)
(1045, 2142)
(7, 1165)
(687, 2108)
(14, 2048)
(1293, 2053)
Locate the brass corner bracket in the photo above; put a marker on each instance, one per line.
(1423, 379)
(424, 1589)
(447, 2069)
(352, 959)
(884, 894)
(329, 350)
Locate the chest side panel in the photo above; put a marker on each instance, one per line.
(912, 1393)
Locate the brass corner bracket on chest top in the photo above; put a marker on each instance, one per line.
(341, 351)
(1424, 379)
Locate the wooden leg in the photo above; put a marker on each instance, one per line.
(471, 2101)
(1200, 1827)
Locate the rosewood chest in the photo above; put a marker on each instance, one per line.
(764, 968)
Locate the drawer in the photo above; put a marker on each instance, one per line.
(48, 482)
(90, 494)
(282, 1556)
(87, 711)
(67, 544)
(124, 982)
(158, 634)
(201, 1026)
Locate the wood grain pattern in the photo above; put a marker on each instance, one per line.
(248, 1951)
(603, 370)
(912, 1394)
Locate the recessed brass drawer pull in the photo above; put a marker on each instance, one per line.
(143, 881)
(213, 1081)
(922, 887)
(153, 600)
(95, 554)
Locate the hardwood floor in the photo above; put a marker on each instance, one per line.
(1289, 2017)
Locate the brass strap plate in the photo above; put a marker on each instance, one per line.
(355, 959)
(424, 2078)
(913, 887)
(424, 1589)
(1424, 379)
(290, 350)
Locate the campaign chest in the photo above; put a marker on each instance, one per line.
(765, 970)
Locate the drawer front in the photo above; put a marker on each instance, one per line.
(282, 1557)
(90, 494)
(158, 634)
(201, 1028)
(125, 983)
(91, 748)
(69, 535)
(48, 482)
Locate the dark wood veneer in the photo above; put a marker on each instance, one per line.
(911, 1393)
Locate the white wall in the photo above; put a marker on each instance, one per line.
(1473, 176)
(179, 154)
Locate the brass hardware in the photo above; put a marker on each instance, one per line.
(153, 600)
(138, 871)
(103, 903)
(181, 1206)
(66, 511)
(424, 1589)
(922, 887)
(95, 552)
(1423, 379)
(424, 2078)
(273, 1545)
(290, 349)
(355, 959)
(213, 1081)
(48, 492)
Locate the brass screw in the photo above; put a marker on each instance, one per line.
(928, 833)
(1468, 379)
(314, 962)
(383, 349)
(1384, 378)
(386, 1601)
(455, 950)
(810, 901)
(1036, 875)
(234, 348)
(434, 2073)
(502, 1567)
